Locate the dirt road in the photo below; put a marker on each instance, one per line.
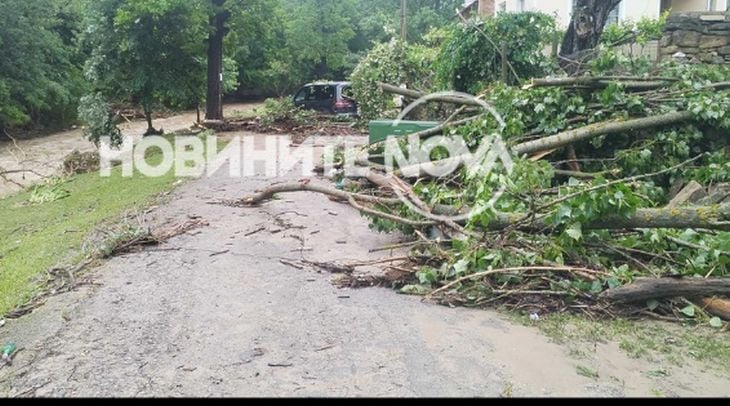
(44, 155)
(216, 313)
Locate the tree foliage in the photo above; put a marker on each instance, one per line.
(473, 57)
(390, 62)
(40, 75)
(149, 52)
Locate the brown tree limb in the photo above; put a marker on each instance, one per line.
(704, 217)
(599, 129)
(715, 306)
(628, 82)
(415, 95)
(665, 288)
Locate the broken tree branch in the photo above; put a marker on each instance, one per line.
(269, 192)
(598, 129)
(415, 95)
(700, 217)
(647, 289)
(628, 82)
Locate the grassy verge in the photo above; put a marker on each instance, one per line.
(652, 341)
(37, 236)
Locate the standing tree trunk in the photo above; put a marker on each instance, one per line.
(585, 30)
(214, 105)
(147, 107)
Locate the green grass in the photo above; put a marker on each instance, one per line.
(674, 344)
(36, 237)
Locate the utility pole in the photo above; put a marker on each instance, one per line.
(403, 25)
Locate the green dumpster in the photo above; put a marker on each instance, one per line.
(380, 130)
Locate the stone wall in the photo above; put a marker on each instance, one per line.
(699, 37)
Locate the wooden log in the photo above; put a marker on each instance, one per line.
(715, 306)
(666, 288)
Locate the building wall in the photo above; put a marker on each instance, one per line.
(628, 10)
(486, 7)
(698, 5)
(699, 37)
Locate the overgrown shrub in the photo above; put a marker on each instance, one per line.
(393, 62)
(469, 60)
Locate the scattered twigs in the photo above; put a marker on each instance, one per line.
(391, 217)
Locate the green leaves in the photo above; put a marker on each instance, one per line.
(468, 60)
(575, 232)
(40, 69)
(716, 322)
(689, 311)
(150, 51)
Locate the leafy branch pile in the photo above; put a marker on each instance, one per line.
(593, 205)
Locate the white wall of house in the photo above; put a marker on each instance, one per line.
(699, 5)
(628, 10)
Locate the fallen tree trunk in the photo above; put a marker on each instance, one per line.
(630, 83)
(595, 130)
(560, 140)
(710, 218)
(666, 288)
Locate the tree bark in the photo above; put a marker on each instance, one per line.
(585, 30)
(214, 104)
(710, 218)
(716, 306)
(598, 129)
(647, 289)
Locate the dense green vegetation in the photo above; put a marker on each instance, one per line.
(153, 52)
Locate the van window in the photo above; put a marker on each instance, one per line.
(325, 93)
(348, 93)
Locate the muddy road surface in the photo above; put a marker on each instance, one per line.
(218, 312)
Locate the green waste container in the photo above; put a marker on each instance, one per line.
(380, 130)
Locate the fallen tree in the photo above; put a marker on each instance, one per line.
(709, 218)
(590, 211)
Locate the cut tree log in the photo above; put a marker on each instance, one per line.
(716, 306)
(666, 288)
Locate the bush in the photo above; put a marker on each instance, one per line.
(469, 61)
(393, 62)
(283, 110)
